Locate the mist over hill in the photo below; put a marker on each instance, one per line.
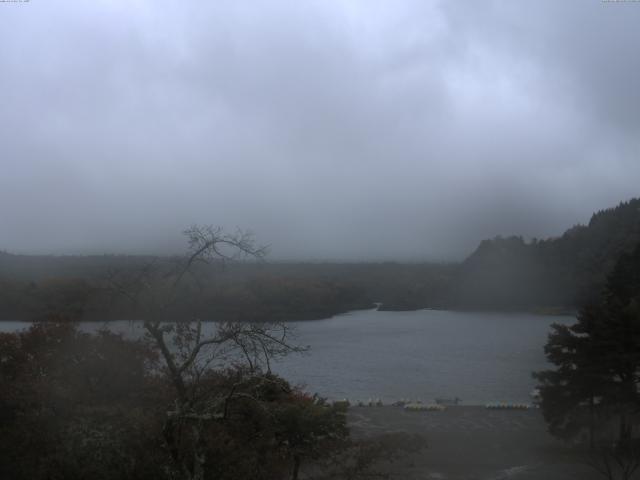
(503, 273)
(561, 272)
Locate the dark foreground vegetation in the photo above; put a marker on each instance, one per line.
(76, 406)
(553, 275)
(593, 394)
(183, 403)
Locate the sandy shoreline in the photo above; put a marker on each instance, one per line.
(472, 442)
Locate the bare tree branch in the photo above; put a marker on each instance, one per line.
(187, 351)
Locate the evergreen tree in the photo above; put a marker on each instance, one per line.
(597, 375)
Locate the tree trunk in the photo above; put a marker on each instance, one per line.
(625, 431)
(592, 426)
(296, 467)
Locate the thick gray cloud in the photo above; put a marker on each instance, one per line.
(332, 129)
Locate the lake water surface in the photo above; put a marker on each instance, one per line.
(478, 357)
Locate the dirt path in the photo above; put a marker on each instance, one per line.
(475, 443)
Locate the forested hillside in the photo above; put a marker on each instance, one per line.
(551, 275)
(556, 273)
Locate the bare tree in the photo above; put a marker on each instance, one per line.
(190, 348)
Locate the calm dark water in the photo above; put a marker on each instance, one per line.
(478, 357)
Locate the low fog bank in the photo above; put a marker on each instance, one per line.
(552, 275)
(402, 131)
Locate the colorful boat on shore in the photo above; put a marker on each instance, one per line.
(508, 406)
(424, 407)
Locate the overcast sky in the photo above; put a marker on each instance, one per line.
(332, 129)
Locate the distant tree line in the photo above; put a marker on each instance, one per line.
(506, 273)
(262, 297)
